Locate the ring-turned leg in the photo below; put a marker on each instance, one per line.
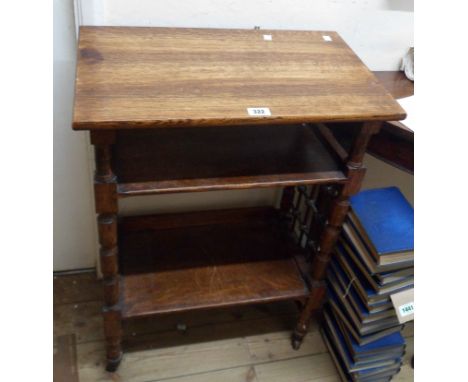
(337, 213)
(111, 311)
(106, 207)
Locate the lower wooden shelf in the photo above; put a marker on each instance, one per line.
(187, 261)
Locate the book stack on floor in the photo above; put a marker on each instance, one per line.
(373, 260)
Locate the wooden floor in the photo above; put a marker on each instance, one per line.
(248, 344)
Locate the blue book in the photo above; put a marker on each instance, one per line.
(362, 375)
(391, 343)
(381, 222)
(368, 297)
(363, 284)
(359, 329)
(340, 312)
(391, 284)
(336, 336)
(376, 375)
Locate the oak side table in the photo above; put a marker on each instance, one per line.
(193, 110)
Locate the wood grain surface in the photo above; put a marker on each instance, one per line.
(205, 352)
(396, 83)
(205, 265)
(131, 77)
(65, 364)
(394, 143)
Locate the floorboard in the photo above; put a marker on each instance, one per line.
(309, 368)
(277, 346)
(76, 288)
(65, 363)
(242, 344)
(236, 374)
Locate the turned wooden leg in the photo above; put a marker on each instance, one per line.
(336, 215)
(106, 207)
(316, 296)
(111, 311)
(319, 264)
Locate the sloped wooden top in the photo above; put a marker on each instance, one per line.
(133, 77)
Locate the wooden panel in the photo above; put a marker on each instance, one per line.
(200, 218)
(213, 332)
(84, 321)
(396, 83)
(170, 160)
(150, 77)
(232, 183)
(392, 147)
(198, 267)
(393, 144)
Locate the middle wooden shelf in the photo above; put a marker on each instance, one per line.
(176, 262)
(221, 158)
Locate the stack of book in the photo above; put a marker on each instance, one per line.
(374, 259)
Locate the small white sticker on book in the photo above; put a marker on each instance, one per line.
(403, 302)
(258, 111)
(267, 37)
(327, 38)
(406, 309)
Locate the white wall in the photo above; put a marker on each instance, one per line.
(381, 174)
(380, 32)
(74, 222)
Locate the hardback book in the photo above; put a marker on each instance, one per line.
(364, 279)
(374, 265)
(340, 297)
(364, 315)
(361, 339)
(393, 343)
(381, 376)
(391, 276)
(388, 347)
(372, 374)
(367, 375)
(367, 295)
(337, 339)
(340, 367)
(391, 283)
(384, 219)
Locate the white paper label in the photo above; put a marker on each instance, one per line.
(406, 309)
(403, 302)
(327, 38)
(258, 111)
(267, 37)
